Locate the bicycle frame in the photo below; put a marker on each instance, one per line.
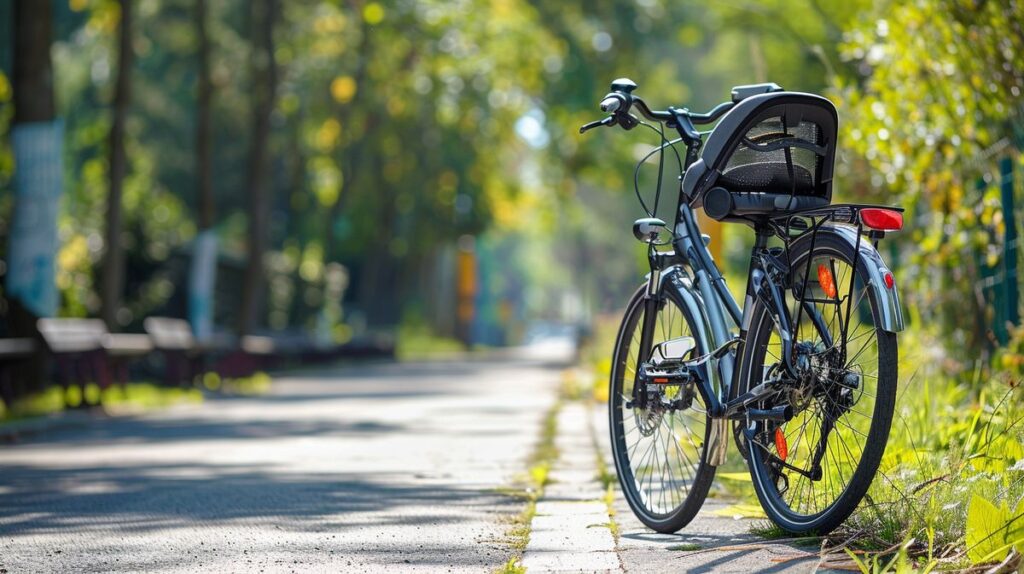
(704, 291)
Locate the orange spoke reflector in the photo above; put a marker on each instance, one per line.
(780, 444)
(827, 282)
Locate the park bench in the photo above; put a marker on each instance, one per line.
(123, 348)
(84, 351)
(174, 339)
(250, 353)
(185, 356)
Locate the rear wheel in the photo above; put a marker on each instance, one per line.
(811, 471)
(659, 449)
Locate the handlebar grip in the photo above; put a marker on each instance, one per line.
(611, 104)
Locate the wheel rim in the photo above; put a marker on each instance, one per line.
(658, 452)
(825, 400)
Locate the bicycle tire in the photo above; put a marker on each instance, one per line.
(765, 478)
(701, 474)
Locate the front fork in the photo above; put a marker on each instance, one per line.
(652, 303)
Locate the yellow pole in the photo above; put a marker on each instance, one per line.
(466, 288)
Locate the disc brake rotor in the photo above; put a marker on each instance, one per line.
(647, 420)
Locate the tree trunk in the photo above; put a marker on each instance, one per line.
(204, 167)
(34, 214)
(203, 271)
(112, 283)
(264, 76)
(36, 141)
(33, 69)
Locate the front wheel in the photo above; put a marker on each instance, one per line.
(811, 471)
(659, 447)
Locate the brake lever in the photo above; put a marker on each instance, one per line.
(610, 120)
(628, 121)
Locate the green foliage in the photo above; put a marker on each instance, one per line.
(992, 530)
(416, 341)
(934, 102)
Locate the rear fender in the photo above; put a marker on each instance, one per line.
(888, 314)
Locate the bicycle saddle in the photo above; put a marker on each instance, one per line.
(773, 152)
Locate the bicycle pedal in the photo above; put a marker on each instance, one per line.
(658, 375)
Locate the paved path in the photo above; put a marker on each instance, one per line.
(370, 469)
(382, 468)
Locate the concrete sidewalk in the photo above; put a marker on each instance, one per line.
(571, 532)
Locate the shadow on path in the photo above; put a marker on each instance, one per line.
(134, 498)
(140, 494)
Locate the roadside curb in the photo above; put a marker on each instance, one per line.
(571, 531)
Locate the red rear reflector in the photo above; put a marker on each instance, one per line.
(890, 281)
(657, 380)
(780, 444)
(827, 282)
(881, 219)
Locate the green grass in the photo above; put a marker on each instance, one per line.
(134, 396)
(255, 385)
(417, 342)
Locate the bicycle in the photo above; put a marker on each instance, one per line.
(805, 373)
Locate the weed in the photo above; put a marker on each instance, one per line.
(513, 566)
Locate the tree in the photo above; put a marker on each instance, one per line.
(203, 271)
(36, 138)
(264, 79)
(36, 142)
(112, 283)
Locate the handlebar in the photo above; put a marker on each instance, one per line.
(620, 101)
(711, 116)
